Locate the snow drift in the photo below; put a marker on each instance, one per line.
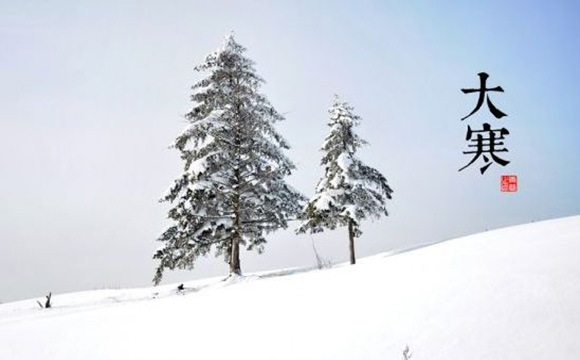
(507, 294)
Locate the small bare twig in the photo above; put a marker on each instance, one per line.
(406, 353)
(320, 262)
(47, 304)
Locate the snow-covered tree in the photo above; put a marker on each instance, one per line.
(233, 190)
(349, 191)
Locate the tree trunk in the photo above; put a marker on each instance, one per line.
(351, 242)
(235, 255)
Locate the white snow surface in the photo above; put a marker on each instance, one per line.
(509, 294)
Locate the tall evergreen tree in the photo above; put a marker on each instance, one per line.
(349, 191)
(232, 191)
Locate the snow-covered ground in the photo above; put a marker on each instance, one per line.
(507, 294)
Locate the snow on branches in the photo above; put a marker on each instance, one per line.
(233, 190)
(349, 191)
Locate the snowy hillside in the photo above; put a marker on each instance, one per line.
(508, 294)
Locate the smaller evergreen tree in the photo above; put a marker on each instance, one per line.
(349, 191)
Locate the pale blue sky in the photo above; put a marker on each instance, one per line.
(94, 92)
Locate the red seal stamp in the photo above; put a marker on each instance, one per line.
(509, 183)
